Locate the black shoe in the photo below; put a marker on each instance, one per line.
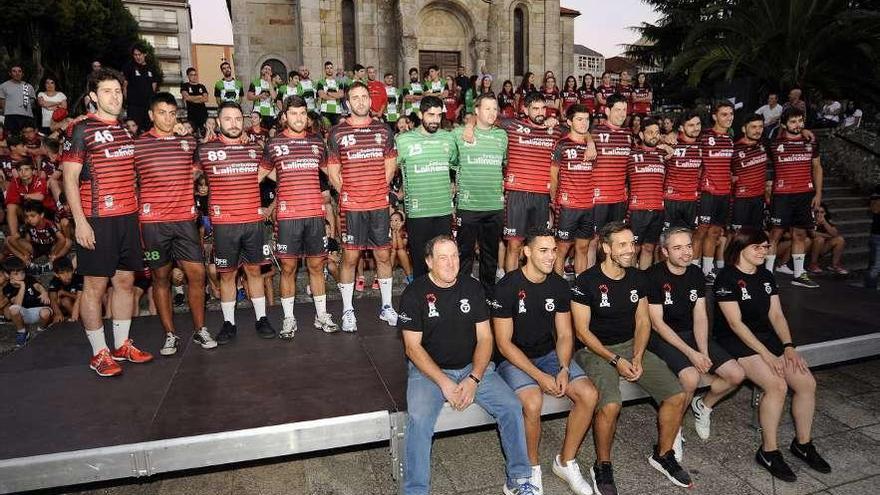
(264, 328)
(775, 464)
(227, 333)
(603, 478)
(807, 453)
(667, 465)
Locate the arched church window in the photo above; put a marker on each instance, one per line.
(520, 42)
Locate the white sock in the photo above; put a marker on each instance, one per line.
(287, 306)
(259, 306)
(320, 304)
(798, 261)
(708, 264)
(770, 262)
(96, 338)
(178, 289)
(228, 311)
(719, 264)
(120, 332)
(695, 261)
(347, 291)
(385, 289)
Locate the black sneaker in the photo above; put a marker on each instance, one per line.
(807, 453)
(667, 465)
(775, 464)
(203, 338)
(227, 333)
(603, 478)
(264, 328)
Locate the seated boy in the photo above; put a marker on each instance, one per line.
(29, 301)
(65, 291)
(40, 238)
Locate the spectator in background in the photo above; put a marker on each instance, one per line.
(65, 291)
(139, 86)
(462, 81)
(50, 100)
(830, 113)
(873, 272)
(41, 239)
(852, 116)
(794, 100)
(26, 186)
(195, 95)
(771, 113)
(133, 127)
(29, 301)
(87, 102)
(17, 98)
(228, 88)
(826, 238)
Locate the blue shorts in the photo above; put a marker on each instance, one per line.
(548, 363)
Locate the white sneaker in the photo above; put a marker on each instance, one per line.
(571, 474)
(288, 328)
(678, 446)
(172, 342)
(536, 480)
(349, 321)
(388, 315)
(325, 322)
(499, 274)
(785, 270)
(702, 418)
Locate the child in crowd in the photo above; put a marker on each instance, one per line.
(28, 301)
(65, 291)
(399, 249)
(40, 239)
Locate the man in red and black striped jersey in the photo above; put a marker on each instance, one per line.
(293, 159)
(681, 187)
(571, 187)
(715, 185)
(164, 164)
(797, 189)
(613, 146)
(99, 183)
(232, 165)
(361, 163)
(750, 174)
(646, 172)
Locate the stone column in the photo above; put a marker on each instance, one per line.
(241, 40)
(310, 32)
(552, 42)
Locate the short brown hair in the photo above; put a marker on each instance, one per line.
(740, 240)
(104, 75)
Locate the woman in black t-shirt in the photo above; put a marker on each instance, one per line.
(750, 325)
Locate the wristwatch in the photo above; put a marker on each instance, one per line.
(614, 361)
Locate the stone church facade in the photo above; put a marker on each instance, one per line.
(506, 37)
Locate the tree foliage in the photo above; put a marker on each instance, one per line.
(62, 37)
(827, 46)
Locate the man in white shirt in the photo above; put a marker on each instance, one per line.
(771, 111)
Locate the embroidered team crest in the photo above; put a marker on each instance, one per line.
(432, 306)
(378, 139)
(315, 150)
(550, 305)
(603, 294)
(184, 145)
(252, 154)
(634, 295)
(108, 201)
(767, 287)
(147, 208)
(522, 301)
(216, 210)
(667, 292)
(464, 306)
(744, 292)
(282, 206)
(693, 295)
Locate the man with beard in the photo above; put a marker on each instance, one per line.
(681, 187)
(610, 313)
(425, 157)
(307, 88)
(412, 92)
(164, 164)
(231, 165)
(362, 162)
(797, 189)
(331, 90)
(378, 97)
(228, 88)
(99, 183)
(293, 159)
(750, 170)
(645, 172)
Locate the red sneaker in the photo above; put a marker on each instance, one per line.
(104, 365)
(128, 352)
(359, 284)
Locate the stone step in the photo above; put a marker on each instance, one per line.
(836, 202)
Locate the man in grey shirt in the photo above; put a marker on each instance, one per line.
(17, 99)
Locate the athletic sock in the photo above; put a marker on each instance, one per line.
(719, 264)
(178, 289)
(695, 262)
(120, 332)
(287, 306)
(347, 291)
(259, 307)
(798, 261)
(385, 289)
(320, 304)
(228, 311)
(96, 339)
(708, 264)
(770, 262)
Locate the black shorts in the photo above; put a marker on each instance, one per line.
(143, 283)
(792, 210)
(41, 250)
(646, 225)
(301, 237)
(574, 223)
(714, 210)
(677, 361)
(165, 242)
(238, 244)
(748, 212)
(607, 213)
(117, 247)
(679, 214)
(523, 210)
(366, 229)
(738, 349)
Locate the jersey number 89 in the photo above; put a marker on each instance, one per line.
(216, 155)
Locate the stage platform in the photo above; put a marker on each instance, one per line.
(256, 398)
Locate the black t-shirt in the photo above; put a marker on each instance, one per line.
(140, 80)
(202, 204)
(677, 293)
(612, 302)
(533, 308)
(31, 296)
(197, 112)
(75, 285)
(446, 317)
(752, 292)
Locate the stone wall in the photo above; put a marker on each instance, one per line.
(855, 155)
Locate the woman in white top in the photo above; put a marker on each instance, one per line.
(49, 98)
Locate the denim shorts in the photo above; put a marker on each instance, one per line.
(548, 363)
